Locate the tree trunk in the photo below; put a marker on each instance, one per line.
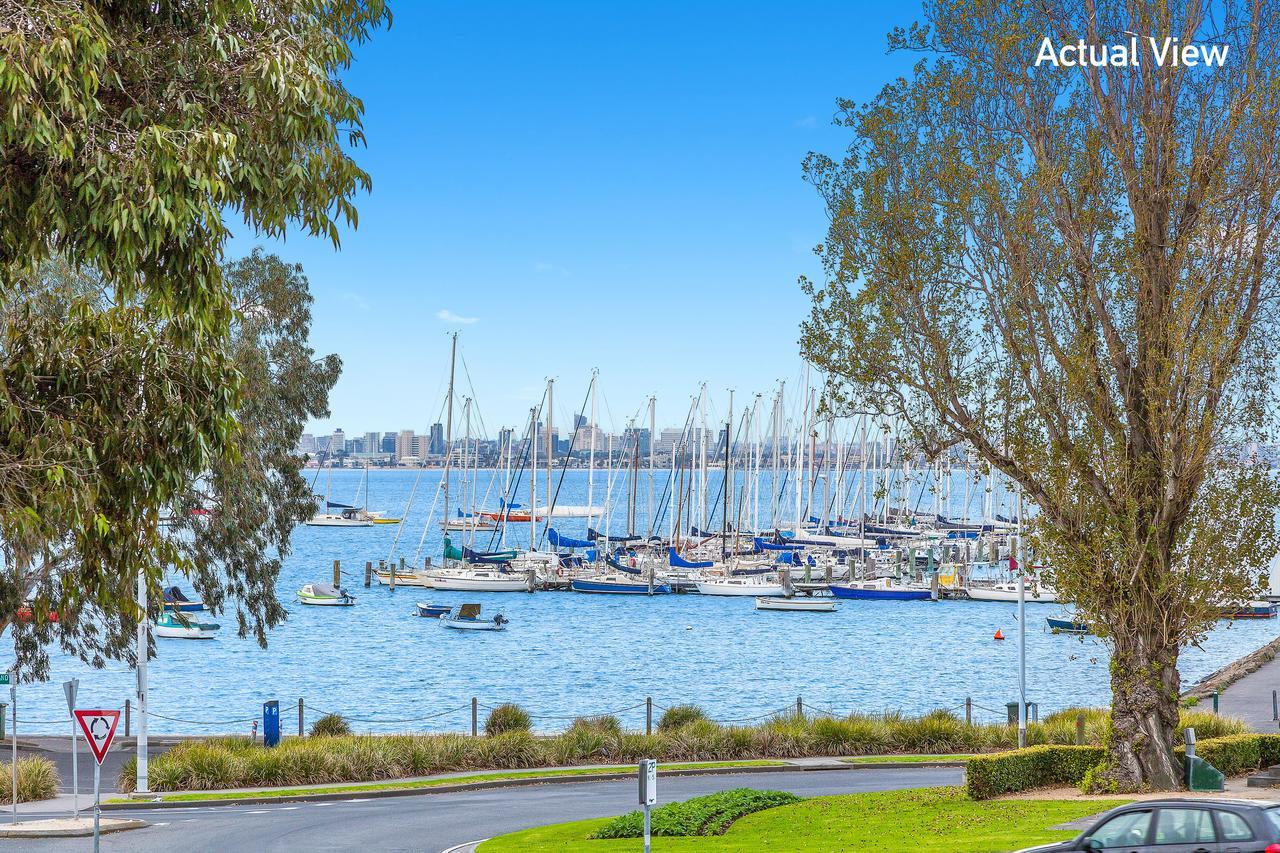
(1144, 714)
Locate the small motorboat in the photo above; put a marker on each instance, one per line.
(176, 626)
(1067, 626)
(176, 600)
(468, 619)
(804, 605)
(433, 611)
(325, 595)
(1248, 610)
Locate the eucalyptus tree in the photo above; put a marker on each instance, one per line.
(228, 523)
(131, 134)
(1072, 271)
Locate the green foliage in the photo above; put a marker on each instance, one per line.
(987, 776)
(330, 725)
(508, 717)
(37, 780)
(709, 815)
(678, 716)
(1237, 753)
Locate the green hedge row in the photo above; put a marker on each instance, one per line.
(709, 815)
(989, 776)
(1236, 754)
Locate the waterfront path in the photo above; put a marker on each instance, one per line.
(436, 822)
(1249, 698)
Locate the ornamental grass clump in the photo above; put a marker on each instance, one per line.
(508, 717)
(330, 725)
(679, 716)
(37, 780)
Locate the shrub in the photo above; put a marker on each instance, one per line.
(679, 716)
(37, 780)
(709, 815)
(330, 725)
(989, 776)
(1209, 725)
(603, 724)
(507, 717)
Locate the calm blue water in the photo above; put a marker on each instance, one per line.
(568, 654)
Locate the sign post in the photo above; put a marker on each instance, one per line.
(70, 688)
(648, 776)
(99, 727)
(11, 678)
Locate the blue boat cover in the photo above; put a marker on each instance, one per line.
(681, 563)
(336, 505)
(558, 541)
(768, 545)
(622, 567)
(595, 535)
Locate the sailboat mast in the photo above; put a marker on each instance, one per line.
(653, 438)
(533, 476)
(728, 470)
(551, 447)
(448, 427)
(591, 453)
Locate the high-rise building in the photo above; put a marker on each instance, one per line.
(405, 445)
(435, 446)
(372, 443)
(338, 442)
(307, 443)
(388, 445)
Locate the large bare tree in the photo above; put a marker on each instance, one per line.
(1073, 271)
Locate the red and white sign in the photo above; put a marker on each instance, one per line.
(99, 729)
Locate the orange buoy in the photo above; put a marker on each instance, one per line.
(999, 634)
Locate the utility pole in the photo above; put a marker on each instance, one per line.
(1022, 631)
(140, 785)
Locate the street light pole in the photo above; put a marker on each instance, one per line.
(1022, 632)
(141, 785)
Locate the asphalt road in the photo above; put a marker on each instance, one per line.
(435, 822)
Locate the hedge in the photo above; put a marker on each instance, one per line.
(1016, 770)
(989, 776)
(709, 815)
(1236, 754)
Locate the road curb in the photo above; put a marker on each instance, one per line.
(466, 846)
(113, 825)
(499, 783)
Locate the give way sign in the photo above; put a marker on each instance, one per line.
(99, 729)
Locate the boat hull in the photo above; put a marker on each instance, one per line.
(184, 606)
(321, 601)
(754, 590)
(879, 593)
(1032, 597)
(605, 587)
(433, 611)
(801, 605)
(465, 584)
(472, 624)
(1067, 626)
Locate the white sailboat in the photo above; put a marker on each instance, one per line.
(477, 580)
(1036, 593)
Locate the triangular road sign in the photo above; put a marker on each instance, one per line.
(99, 729)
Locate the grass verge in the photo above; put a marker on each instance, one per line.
(923, 819)
(435, 783)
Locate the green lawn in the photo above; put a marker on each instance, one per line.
(922, 819)
(200, 796)
(906, 759)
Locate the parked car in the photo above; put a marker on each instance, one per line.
(1180, 826)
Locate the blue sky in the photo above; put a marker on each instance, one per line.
(585, 185)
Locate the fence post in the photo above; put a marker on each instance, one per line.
(475, 717)
(126, 718)
(300, 713)
(1215, 701)
(648, 715)
(968, 710)
(1275, 710)
(1080, 729)
(368, 573)
(337, 574)
(800, 706)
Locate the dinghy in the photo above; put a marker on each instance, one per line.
(175, 626)
(433, 611)
(804, 605)
(468, 619)
(325, 595)
(1066, 626)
